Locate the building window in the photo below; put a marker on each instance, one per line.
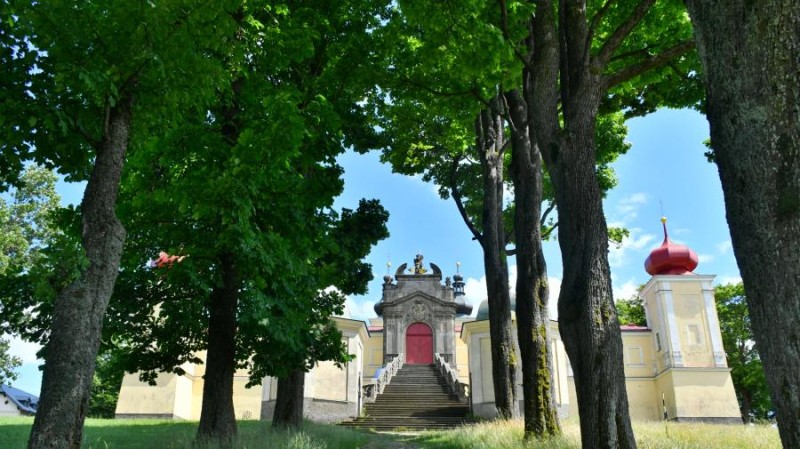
(695, 335)
(635, 356)
(658, 342)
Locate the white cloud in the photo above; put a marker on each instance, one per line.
(724, 247)
(618, 254)
(23, 349)
(680, 231)
(729, 279)
(430, 186)
(362, 310)
(475, 291)
(628, 207)
(627, 290)
(705, 258)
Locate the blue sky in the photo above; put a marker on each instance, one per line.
(665, 167)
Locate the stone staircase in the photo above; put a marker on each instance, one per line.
(416, 399)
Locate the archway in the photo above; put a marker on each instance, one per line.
(419, 344)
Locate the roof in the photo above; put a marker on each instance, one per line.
(25, 402)
(633, 328)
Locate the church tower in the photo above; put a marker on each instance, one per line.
(689, 356)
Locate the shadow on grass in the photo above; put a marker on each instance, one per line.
(163, 434)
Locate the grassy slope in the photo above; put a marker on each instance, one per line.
(150, 434)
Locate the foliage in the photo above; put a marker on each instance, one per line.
(742, 355)
(27, 228)
(254, 177)
(26, 223)
(631, 311)
(106, 384)
(8, 363)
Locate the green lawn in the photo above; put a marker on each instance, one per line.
(158, 434)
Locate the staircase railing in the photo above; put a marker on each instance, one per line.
(451, 377)
(382, 378)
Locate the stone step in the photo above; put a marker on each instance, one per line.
(417, 398)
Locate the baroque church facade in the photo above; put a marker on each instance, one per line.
(675, 366)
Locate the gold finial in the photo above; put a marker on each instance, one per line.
(664, 220)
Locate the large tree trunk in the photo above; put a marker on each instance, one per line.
(77, 327)
(541, 417)
(749, 52)
(562, 72)
(217, 417)
(491, 147)
(587, 316)
(289, 401)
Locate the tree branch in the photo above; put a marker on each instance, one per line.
(624, 29)
(523, 58)
(598, 17)
(547, 212)
(546, 235)
(653, 62)
(456, 194)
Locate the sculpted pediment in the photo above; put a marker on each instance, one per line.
(419, 297)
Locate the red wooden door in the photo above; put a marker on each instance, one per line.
(419, 344)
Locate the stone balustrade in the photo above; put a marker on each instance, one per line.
(451, 377)
(382, 378)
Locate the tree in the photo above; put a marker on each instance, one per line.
(80, 75)
(245, 192)
(8, 363)
(749, 55)
(631, 311)
(106, 384)
(446, 120)
(450, 61)
(27, 223)
(26, 226)
(580, 58)
(741, 352)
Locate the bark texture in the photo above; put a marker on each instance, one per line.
(289, 401)
(77, 326)
(750, 52)
(533, 322)
(564, 72)
(217, 417)
(491, 145)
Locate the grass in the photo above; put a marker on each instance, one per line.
(152, 434)
(652, 435)
(167, 434)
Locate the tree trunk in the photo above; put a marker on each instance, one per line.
(587, 316)
(217, 417)
(77, 327)
(541, 416)
(749, 52)
(491, 146)
(562, 72)
(289, 401)
(747, 404)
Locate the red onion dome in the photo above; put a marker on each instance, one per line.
(670, 258)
